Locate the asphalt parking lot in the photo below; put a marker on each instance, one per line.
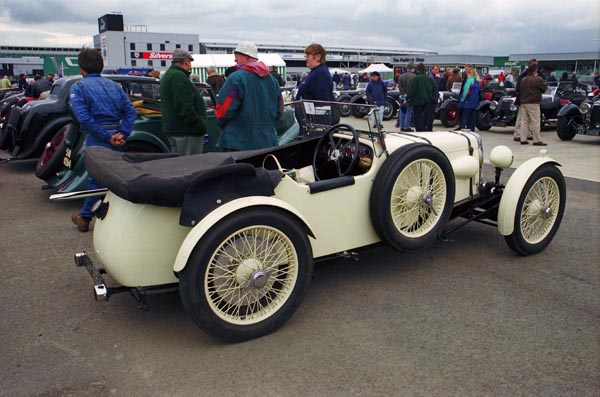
(464, 317)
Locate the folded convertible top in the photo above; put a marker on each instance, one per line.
(197, 183)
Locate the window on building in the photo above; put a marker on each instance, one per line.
(149, 46)
(132, 46)
(177, 45)
(162, 47)
(190, 47)
(163, 63)
(133, 62)
(150, 63)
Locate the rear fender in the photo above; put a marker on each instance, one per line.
(513, 189)
(227, 209)
(447, 102)
(152, 138)
(45, 135)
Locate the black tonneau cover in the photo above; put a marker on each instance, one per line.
(198, 183)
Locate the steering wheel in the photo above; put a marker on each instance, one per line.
(336, 148)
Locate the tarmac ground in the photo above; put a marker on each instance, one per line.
(463, 317)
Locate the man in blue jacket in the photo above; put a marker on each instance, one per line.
(105, 115)
(376, 95)
(249, 103)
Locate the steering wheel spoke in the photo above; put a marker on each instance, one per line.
(337, 150)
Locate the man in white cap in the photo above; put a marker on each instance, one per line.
(249, 103)
(184, 118)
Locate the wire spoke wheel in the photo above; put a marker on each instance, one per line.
(418, 198)
(248, 274)
(540, 210)
(251, 275)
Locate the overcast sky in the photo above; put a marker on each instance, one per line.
(472, 27)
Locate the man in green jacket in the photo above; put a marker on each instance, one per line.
(184, 118)
(420, 92)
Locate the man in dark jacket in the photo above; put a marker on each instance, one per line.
(376, 95)
(532, 88)
(184, 118)
(420, 93)
(249, 103)
(215, 80)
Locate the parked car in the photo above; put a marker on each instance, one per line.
(62, 162)
(503, 113)
(345, 96)
(583, 119)
(237, 234)
(39, 121)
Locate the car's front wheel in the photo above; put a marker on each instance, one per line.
(484, 121)
(345, 108)
(389, 110)
(412, 197)
(247, 275)
(539, 211)
(566, 127)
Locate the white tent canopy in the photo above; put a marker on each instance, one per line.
(338, 70)
(227, 60)
(377, 67)
(220, 62)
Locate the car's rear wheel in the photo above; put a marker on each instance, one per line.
(566, 127)
(247, 275)
(51, 159)
(483, 119)
(539, 211)
(449, 115)
(412, 197)
(359, 111)
(11, 123)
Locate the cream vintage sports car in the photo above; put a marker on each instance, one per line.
(237, 233)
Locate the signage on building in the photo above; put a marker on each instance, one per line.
(152, 55)
(104, 49)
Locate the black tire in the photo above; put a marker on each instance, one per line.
(412, 197)
(483, 119)
(390, 109)
(141, 147)
(345, 109)
(233, 254)
(359, 111)
(539, 212)
(51, 159)
(450, 115)
(566, 127)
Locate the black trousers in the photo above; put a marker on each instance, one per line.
(420, 116)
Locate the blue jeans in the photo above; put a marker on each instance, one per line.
(404, 118)
(88, 202)
(467, 119)
(381, 111)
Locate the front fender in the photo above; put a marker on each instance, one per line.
(359, 98)
(566, 109)
(513, 189)
(227, 209)
(447, 102)
(483, 105)
(149, 137)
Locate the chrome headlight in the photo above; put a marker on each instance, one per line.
(493, 105)
(513, 108)
(584, 107)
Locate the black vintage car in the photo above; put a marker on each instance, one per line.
(34, 125)
(503, 112)
(583, 119)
